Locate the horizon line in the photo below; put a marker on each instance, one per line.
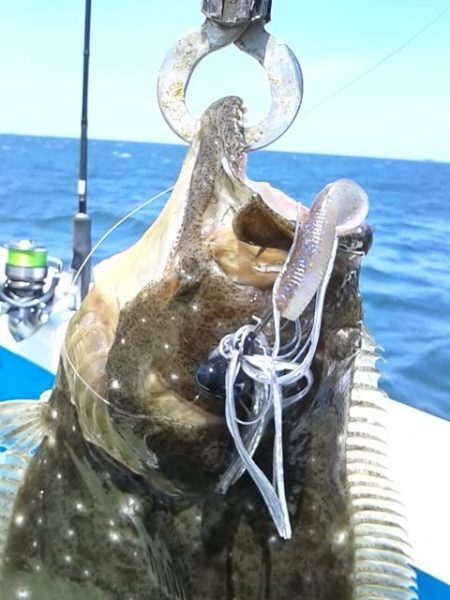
(266, 149)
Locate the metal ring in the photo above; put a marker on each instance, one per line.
(279, 62)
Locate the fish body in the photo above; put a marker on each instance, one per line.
(118, 495)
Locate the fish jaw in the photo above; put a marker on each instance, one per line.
(123, 275)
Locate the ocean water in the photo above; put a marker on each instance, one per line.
(405, 278)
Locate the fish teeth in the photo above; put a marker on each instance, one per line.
(382, 566)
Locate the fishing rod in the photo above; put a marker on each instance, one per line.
(82, 222)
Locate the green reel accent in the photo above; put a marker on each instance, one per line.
(27, 253)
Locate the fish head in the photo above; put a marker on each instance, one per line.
(157, 310)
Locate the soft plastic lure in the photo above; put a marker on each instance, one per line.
(338, 209)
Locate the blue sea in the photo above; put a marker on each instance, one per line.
(405, 278)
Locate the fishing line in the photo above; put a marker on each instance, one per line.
(377, 64)
(107, 402)
(94, 248)
(271, 368)
(116, 225)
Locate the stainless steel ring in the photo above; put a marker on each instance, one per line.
(279, 62)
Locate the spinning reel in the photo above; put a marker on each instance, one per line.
(28, 290)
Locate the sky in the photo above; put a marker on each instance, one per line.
(401, 109)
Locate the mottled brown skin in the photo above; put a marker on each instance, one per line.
(76, 542)
(231, 549)
(142, 537)
(186, 314)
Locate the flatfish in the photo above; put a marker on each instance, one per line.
(109, 484)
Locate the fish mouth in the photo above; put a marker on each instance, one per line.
(249, 227)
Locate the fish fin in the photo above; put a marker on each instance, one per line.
(22, 429)
(13, 466)
(23, 424)
(382, 550)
